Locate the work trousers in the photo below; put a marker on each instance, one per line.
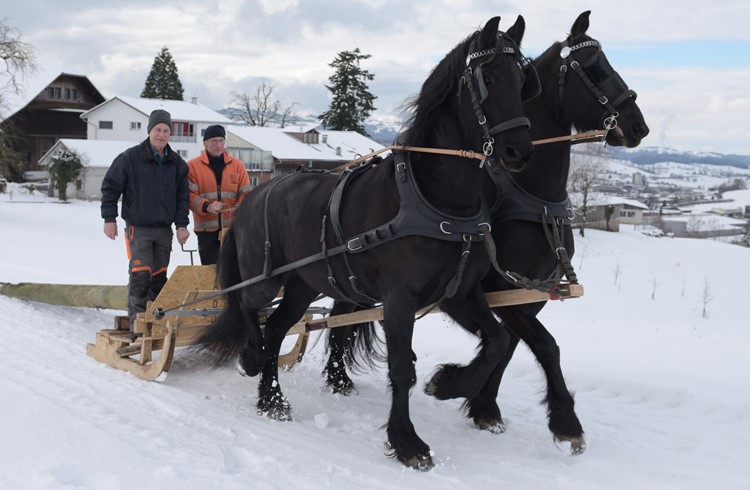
(209, 245)
(148, 251)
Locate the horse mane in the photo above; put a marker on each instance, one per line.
(442, 83)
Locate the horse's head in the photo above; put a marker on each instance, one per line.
(495, 81)
(592, 94)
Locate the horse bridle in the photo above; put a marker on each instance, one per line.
(474, 81)
(597, 74)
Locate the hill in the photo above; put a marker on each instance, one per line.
(658, 386)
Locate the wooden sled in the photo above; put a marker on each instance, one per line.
(115, 348)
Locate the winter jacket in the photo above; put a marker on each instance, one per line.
(204, 189)
(153, 194)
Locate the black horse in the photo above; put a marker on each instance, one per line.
(316, 232)
(579, 90)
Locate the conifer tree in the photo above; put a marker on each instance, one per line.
(352, 101)
(163, 82)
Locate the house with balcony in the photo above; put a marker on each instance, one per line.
(124, 118)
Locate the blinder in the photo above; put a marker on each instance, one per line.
(605, 77)
(530, 85)
(599, 76)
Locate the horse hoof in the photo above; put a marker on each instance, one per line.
(431, 388)
(420, 462)
(343, 389)
(492, 426)
(281, 412)
(570, 446)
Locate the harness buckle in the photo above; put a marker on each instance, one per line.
(442, 224)
(354, 244)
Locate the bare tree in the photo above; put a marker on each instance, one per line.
(261, 108)
(585, 174)
(617, 271)
(707, 296)
(18, 57)
(654, 284)
(18, 62)
(581, 254)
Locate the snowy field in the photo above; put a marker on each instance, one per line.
(658, 387)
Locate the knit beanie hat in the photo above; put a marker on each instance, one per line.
(159, 116)
(214, 132)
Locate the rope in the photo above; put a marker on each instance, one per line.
(573, 138)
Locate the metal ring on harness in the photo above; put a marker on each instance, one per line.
(442, 223)
(610, 122)
(487, 147)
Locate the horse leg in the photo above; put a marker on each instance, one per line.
(473, 313)
(337, 378)
(563, 421)
(406, 446)
(483, 408)
(297, 297)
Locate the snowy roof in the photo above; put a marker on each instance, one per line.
(598, 199)
(94, 153)
(33, 85)
(178, 109)
(286, 147)
(709, 222)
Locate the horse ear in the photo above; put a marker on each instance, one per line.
(580, 26)
(517, 30)
(489, 32)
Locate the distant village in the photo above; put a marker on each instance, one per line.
(70, 116)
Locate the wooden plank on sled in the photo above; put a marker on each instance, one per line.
(494, 299)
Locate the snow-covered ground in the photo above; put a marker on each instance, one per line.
(658, 387)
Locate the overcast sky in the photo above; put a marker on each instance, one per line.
(689, 60)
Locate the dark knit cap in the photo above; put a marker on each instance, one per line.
(214, 131)
(159, 116)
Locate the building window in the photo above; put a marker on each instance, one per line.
(135, 126)
(74, 93)
(50, 92)
(67, 94)
(183, 129)
(254, 181)
(182, 153)
(105, 125)
(58, 92)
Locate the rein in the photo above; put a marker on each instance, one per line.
(574, 139)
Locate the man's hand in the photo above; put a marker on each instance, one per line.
(110, 230)
(215, 207)
(182, 235)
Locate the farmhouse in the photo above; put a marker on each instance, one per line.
(607, 212)
(53, 113)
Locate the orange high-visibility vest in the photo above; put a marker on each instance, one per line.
(235, 185)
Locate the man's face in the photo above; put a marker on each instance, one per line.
(214, 146)
(159, 136)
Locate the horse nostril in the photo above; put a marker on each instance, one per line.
(641, 130)
(514, 158)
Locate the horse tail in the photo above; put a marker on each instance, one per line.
(225, 338)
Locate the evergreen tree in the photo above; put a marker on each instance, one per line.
(163, 81)
(352, 101)
(64, 169)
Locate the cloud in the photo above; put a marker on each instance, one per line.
(231, 45)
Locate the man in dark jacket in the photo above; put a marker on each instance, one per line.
(153, 182)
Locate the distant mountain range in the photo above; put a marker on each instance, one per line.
(650, 155)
